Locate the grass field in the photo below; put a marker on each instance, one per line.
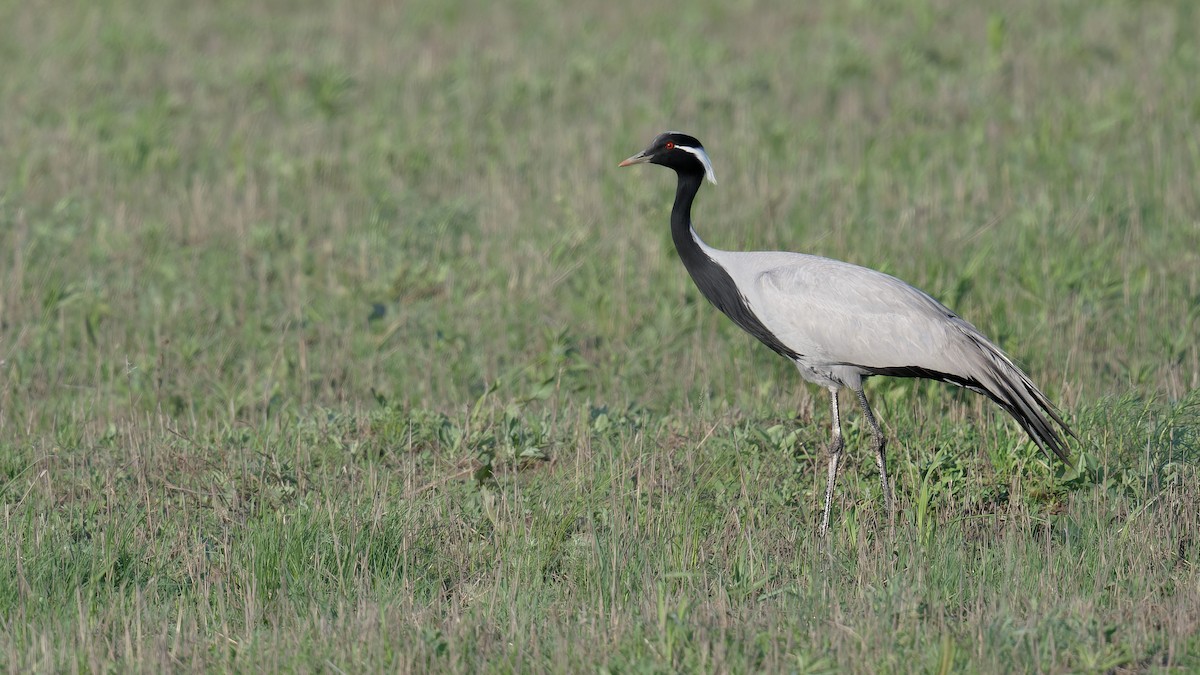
(332, 339)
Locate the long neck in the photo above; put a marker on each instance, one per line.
(711, 278)
(681, 227)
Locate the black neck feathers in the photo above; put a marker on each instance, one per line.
(710, 277)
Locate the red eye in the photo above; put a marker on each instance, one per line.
(670, 145)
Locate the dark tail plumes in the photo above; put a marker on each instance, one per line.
(1003, 382)
(987, 370)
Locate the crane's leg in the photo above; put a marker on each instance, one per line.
(835, 456)
(880, 443)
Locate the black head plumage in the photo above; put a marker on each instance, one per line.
(678, 151)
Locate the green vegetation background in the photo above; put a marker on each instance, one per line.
(331, 339)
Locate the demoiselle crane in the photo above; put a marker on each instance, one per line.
(842, 323)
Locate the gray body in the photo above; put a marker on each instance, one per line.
(844, 323)
(848, 322)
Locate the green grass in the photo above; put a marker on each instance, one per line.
(332, 339)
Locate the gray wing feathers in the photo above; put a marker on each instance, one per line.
(835, 311)
(838, 314)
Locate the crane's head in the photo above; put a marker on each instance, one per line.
(677, 151)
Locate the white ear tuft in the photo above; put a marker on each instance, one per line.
(703, 157)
